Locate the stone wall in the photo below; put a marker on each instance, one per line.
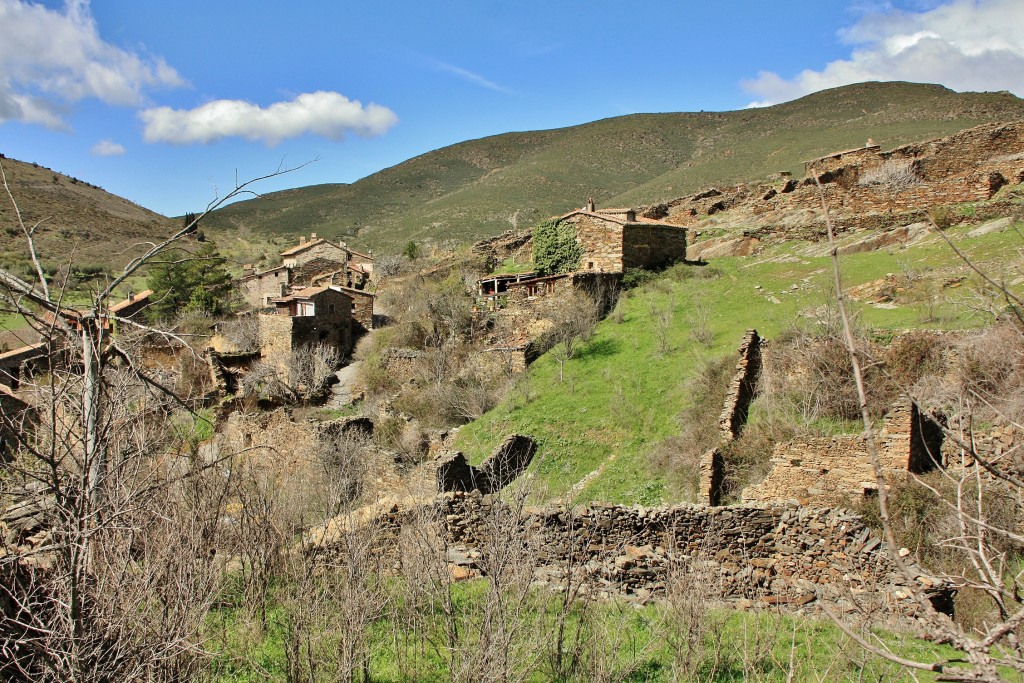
(742, 388)
(257, 289)
(504, 464)
(511, 244)
(362, 310)
(837, 470)
(779, 555)
(275, 332)
(601, 240)
(653, 246)
(970, 166)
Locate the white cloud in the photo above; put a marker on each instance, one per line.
(962, 44)
(49, 58)
(328, 114)
(466, 75)
(107, 148)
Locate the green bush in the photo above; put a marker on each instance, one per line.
(555, 248)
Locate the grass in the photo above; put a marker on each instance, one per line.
(636, 643)
(622, 394)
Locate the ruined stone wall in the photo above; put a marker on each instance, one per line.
(510, 244)
(867, 156)
(962, 153)
(777, 555)
(742, 388)
(601, 241)
(837, 470)
(498, 470)
(275, 333)
(865, 198)
(652, 246)
(970, 166)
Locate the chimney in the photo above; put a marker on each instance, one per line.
(631, 216)
(312, 237)
(590, 204)
(302, 240)
(131, 295)
(871, 143)
(248, 269)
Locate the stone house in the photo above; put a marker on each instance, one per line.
(362, 310)
(259, 288)
(315, 315)
(614, 240)
(315, 249)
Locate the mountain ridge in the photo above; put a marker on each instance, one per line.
(478, 188)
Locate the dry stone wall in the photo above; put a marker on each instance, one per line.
(742, 388)
(970, 166)
(506, 462)
(652, 246)
(794, 557)
(838, 470)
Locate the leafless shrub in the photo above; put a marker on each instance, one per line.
(892, 175)
(700, 327)
(242, 332)
(808, 369)
(129, 509)
(311, 367)
(387, 265)
(694, 633)
(573, 320)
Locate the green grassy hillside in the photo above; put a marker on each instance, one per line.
(623, 395)
(475, 188)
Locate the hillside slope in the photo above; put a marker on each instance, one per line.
(478, 188)
(76, 221)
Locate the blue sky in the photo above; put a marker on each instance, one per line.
(166, 103)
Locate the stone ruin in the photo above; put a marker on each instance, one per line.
(506, 462)
(837, 470)
(784, 556)
(833, 470)
(741, 393)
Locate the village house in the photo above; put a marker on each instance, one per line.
(319, 264)
(306, 317)
(259, 288)
(313, 249)
(614, 240)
